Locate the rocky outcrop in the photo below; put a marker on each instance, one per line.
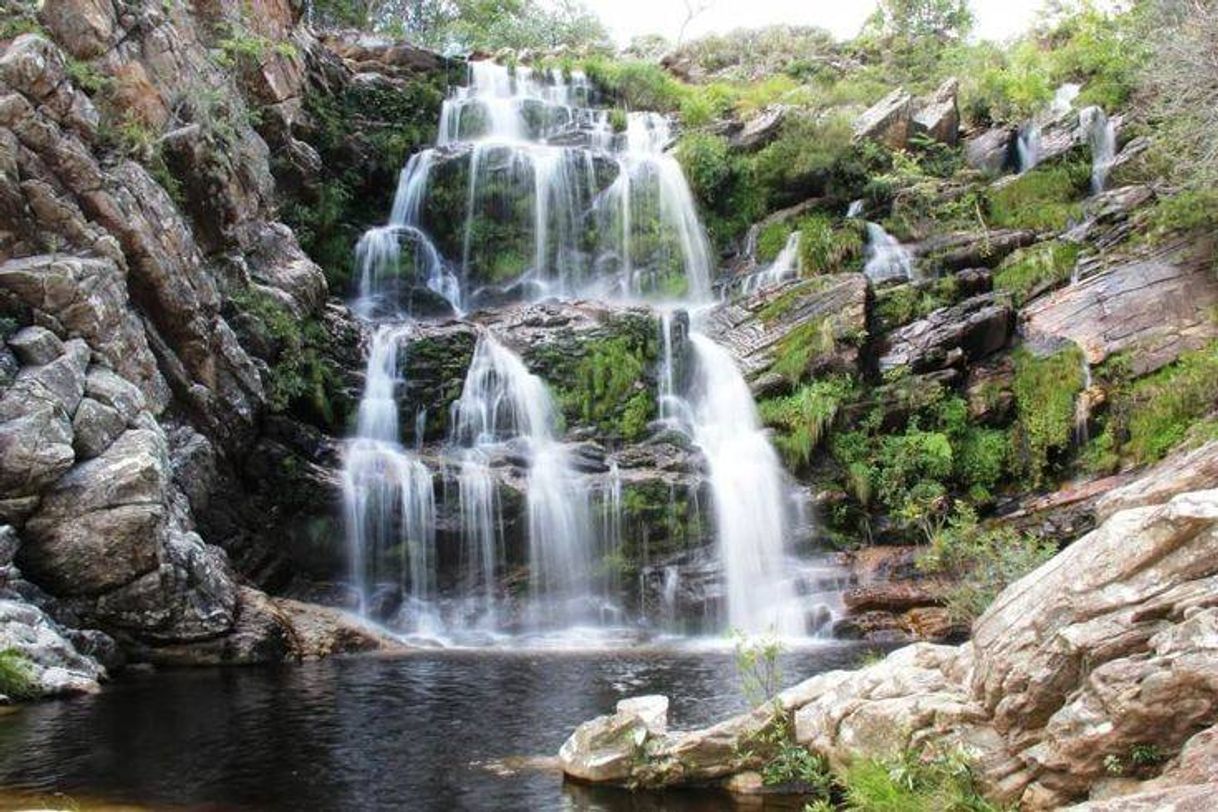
(990, 151)
(951, 336)
(939, 117)
(1106, 647)
(827, 312)
(958, 251)
(1154, 306)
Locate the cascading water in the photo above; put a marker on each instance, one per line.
(886, 258)
(601, 213)
(785, 266)
(1101, 137)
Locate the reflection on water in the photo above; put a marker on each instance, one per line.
(414, 732)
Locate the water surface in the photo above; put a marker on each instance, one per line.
(415, 732)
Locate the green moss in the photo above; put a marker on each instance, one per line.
(794, 353)
(1045, 199)
(1150, 416)
(1045, 389)
(1033, 270)
(801, 420)
(16, 679)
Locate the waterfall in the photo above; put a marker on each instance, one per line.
(1027, 147)
(1082, 406)
(434, 538)
(388, 493)
(886, 258)
(500, 402)
(785, 266)
(750, 496)
(1101, 137)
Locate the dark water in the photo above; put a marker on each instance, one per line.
(411, 732)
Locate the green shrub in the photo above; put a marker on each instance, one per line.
(16, 679)
(1033, 270)
(899, 305)
(828, 248)
(771, 240)
(803, 419)
(636, 84)
(1045, 390)
(980, 561)
(1046, 198)
(932, 781)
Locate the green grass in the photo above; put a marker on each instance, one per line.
(1037, 268)
(914, 782)
(803, 419)
(771, 240)
(1044, 199)
(797, 349)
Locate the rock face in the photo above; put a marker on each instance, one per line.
(939, 117)
(951, 336)
(1155, 306)
(1108, 646)
(887, 121)
(832, 308)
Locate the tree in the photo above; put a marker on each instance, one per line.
(917, 19)
(693, 8)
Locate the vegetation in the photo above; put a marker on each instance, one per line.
(1151, 415)
(1045, 391)
(16, 680)
(981, 561)
(932, 780)
(1033, 270)
(301, 377)
(1044, 199)
(803, 419)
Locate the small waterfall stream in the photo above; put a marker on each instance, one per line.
(886, 259)
(606, 215)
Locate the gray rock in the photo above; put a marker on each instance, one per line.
(990, 151)
(887, 121)
(114, 391)
(968, 331)
(939, 118)
(101, 525)
(94, 427)
(653, 710)
(761, 129)
(604, 749)
(1154, 306)
(54, 665)
(35, 346)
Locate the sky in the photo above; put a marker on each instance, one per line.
(996, 19)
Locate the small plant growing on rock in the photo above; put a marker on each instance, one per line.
(16, 681)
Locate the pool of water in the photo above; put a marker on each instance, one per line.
(424, 731)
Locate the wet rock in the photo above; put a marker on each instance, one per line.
(52, 663)
(951, 336)
(989, 391)
(887, 121)
(1154, 307)
(892, 596)
(990, 151)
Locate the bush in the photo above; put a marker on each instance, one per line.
(803, 419)
(636, 84)
(828, 248)
(928, 781)
(980, 561)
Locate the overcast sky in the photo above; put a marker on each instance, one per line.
(996, 19)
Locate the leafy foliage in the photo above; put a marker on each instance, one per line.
(1033, 270)
(1045, 390)
(802, 419)
(981, 561)
(932, 780)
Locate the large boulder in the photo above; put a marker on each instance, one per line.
(51, 662)
(888, 121)
(1108, 647)
(939, 117)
